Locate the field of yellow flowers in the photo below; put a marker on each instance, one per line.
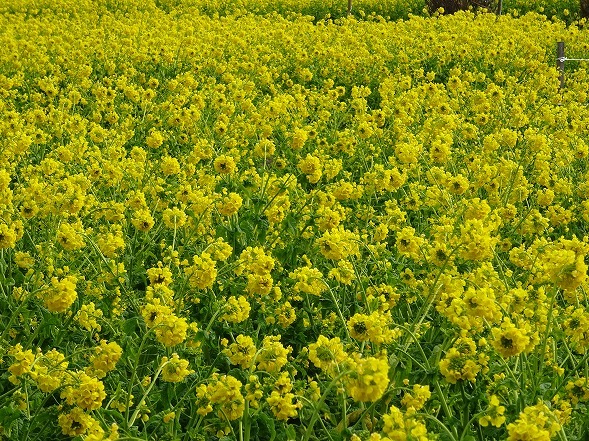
(273, 226)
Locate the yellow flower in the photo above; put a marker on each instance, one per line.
(175, 369)
(142, 220)
(69, 236)
(402, 427)
(494, 413)
(241, 352)
(461, 362)
(509, 340)
(327, 354)
(224, 393)
(22, 364)
(237, 309)
(308, 280)
(76, 422)
(299, 137)
(170, 166)
(416, 400)
(7, 236)
(203, 273)
(344, 272)
(88, 316)
(477, 239)
(457, 184)
(259, 284)
(255, 260)
(408, 244)
(338, 243)
(171, 330)
(311, 166)
(285, 314)
(365, 130)
(49, 370)
(159, 275)
(220, 250)
(111, 243)
(534, 423)
(376, 327)
(281, 398)
(155, 139)
(578, 390)
(24, 259)
(225, 164)
(61, 294)
(105, 358)
(391, 180)
(576, 328)
(254, 391)
(368, 379)
(154, 312)
(230, 204)
(86, 392)
(174, 218)
(273, 355)
(565, 267)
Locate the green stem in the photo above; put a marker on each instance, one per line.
(210, 324)
(423, 310)
(443, 426)
(315, 415)
(464, 431)
(134, 376)
(142, 401)
(540, 366)
(194, 424)
(445, 407)
(14, 315)
(246, 423)
(338, 310)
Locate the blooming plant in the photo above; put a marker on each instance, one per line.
(254, 220)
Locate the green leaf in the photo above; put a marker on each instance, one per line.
(130, 326)
(266, 428)
(291, 433)
(8, 416)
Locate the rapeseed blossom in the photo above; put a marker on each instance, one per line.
(225, 217)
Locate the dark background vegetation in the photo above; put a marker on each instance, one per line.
(451, 6)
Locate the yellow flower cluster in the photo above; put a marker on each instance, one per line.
(175, 369)
(309, 280)
(369, 378)
(494, 413)
(462, 362)
(84, 391)
(236, 309)
(400, 427)
(535, 422)
(376, 327)
(105, 358)
(272, 355)
(242, 351)
(281, 399)
(328, 354)
(417, 399)
(223, 393)
(60, 295)
(300, 210)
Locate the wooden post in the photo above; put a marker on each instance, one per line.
(500, 7)
(349, 7)
(560, 62)
(584, 6)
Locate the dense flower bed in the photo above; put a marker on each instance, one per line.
(265, 227)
